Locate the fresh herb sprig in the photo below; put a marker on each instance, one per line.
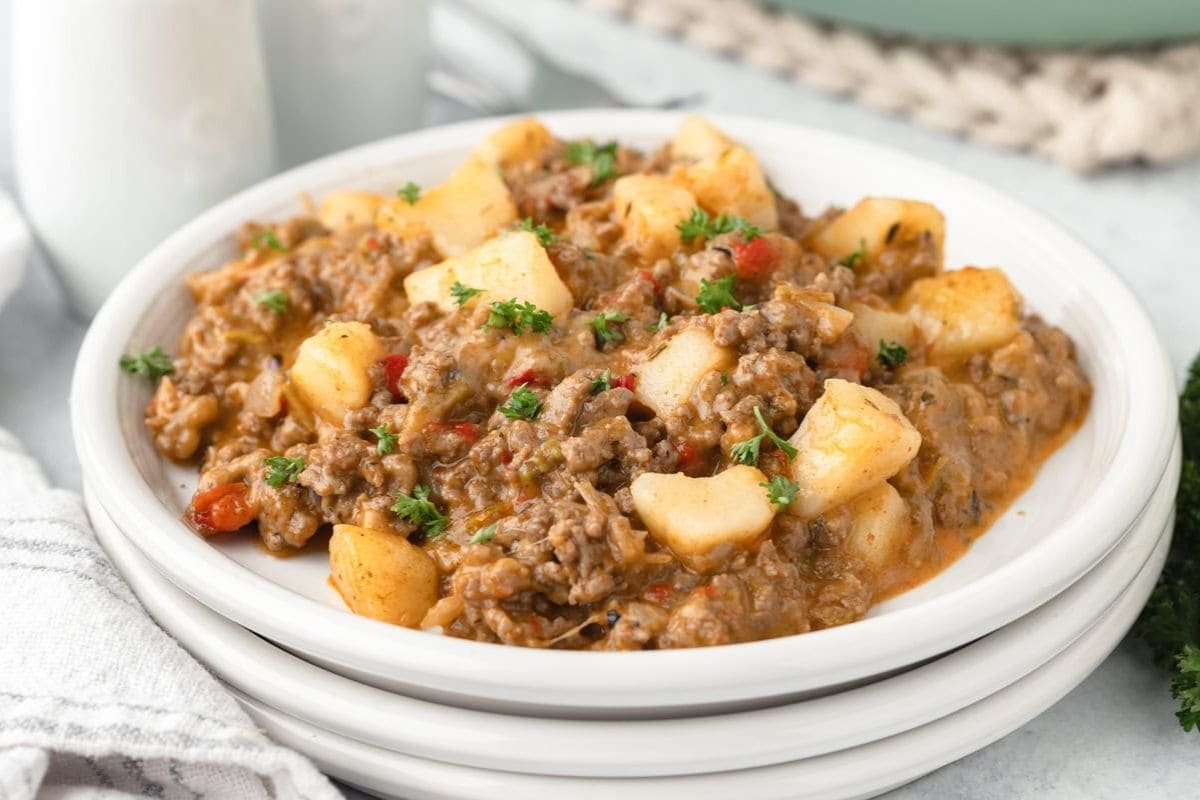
(483, 535)
(274, 301)
(281, 469)
(519, 317)
(544, 233)
(701, 226)
(601, 383)
(716, 295)
(859, 256)
(781, 491)
(747, 452)
(1170, 623)
(892, 354)
(604, 334)
(523, 403)
(266, 238)
(601, 157)
(153, 363)
(386, 439)
(410, 192)
(420, 511)
(463, 294)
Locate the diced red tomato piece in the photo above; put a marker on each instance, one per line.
(647, 275)
(850, 358)
(755, 258)
(529, 376)
(394, 366)
(467, 430)
(626, 381)
(710, 592)
(506, 456)
(371, 243)
(658, 592)
(223, 508)
(689, 455)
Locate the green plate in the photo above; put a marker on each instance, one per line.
(1017, 22)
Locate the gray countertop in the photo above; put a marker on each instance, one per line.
(1113, 736)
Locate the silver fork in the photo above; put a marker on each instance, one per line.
(550, 80)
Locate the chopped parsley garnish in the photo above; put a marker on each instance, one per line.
(662, 322)
(700, 226)
(152, 363)
(602, 382)
(462, 294)
(724, 378)
(281, 469)
(411, 193)
(519, 317)
(276, 301)
(781, 491)
(420, 511)
(604, 334)
(747, 452)
(1170, 623)
(545, 235)
(523, 403)
(857, 256)
(483, 535)
(718, 294)
(892, 354)
(267, 238)
(387, 439)
(601, 157)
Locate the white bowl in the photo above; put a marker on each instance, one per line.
(1085, 499)
(859, 772)
(634, 748)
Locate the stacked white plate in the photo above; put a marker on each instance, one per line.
(929, 676)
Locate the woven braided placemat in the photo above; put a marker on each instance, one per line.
(1084, 108)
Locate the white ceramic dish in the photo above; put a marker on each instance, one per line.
(634, 748)
(855, 773)
(1086, 498)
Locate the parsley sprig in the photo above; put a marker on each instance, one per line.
(281, 469)
(601, 157)
(411, 192)
(483, 535)
(462, 294)
(892, 354)
(266, 238)
(386, 439)
(1170, 623)
(274, 301)
(858, 256)
(781, 491)
(519, 317)
(152, 363)
(700, 226)
(546, 236)
(420, 511)
(601, 383)
(662, 322)
(604, 334)
(747, 452)
(718, 294)
(523, 403)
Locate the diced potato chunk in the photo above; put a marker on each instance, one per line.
(851, 439)
(330, 373)
(469, 208)
(515, 143)
(697, 138)
(879, 525)
(512, 265)
(649, 208)
(703, 520)
(382, 575)
(348, 209)
(732, 183)
(667, 379)
(874, 325)
(876, 223)
(966, 311)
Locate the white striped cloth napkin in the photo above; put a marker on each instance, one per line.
(95, 699)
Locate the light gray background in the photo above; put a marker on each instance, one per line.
(1113, 737)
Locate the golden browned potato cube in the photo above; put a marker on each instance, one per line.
(666, 380)
(512, 265)
(515, 143)
(469, 208)
(381, 575)
(702, 520)
(732, 183)
(650, 207)
(965, 311)
(696, 138)
(330, 373)
(349, 209)
(874, 325)
(853, 438)
(879, 525)
(878, 222)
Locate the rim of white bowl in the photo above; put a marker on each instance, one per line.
(623, 748)
(611, 679)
